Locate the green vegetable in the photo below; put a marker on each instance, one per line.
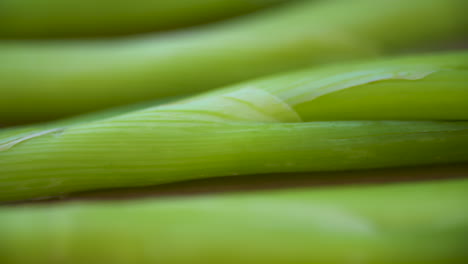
(258, 127)
(73, 18)
(43, 80)
(419, 223)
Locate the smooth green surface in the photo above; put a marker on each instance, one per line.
(256, 127)
(43, 80)
(423, 87)
(76, 18)
(418, 223)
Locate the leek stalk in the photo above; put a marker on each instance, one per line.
(282, 124)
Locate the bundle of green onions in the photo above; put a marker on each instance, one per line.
(390, 113)
(70, 77)
(340, 119)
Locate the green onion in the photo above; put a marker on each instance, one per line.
(397, 224)
(392, 113)
(78, 18)
(43, 80)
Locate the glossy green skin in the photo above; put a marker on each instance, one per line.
(418, 223)
(252, 128)
(78, 18)
(43, 80)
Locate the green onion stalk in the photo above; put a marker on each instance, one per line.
(407, 111)
(420, 223)
(85, 18)
(48, 79)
